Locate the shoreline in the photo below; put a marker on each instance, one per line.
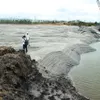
(48, 79)
(71, 55)
(84, 76)
(21, 80)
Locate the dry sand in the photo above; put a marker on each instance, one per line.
(59, 62)
(56, 47)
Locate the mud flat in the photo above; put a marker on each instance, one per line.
(47, 78)
(21, 80)
(59, 63)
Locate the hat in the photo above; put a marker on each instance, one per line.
(23, 36)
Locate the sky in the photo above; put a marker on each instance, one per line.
(84, 10)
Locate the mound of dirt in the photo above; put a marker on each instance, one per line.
(21, 80)
(14, 70)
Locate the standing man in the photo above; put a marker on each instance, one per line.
(27, 37)
(25, 43)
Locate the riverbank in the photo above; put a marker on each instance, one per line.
(88, 83)
(58, 50)
(60, 62)
(21, 80)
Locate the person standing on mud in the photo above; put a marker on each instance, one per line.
(25, 43)
(27, 37)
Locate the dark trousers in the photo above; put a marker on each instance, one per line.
(25, 48)
(27, 42)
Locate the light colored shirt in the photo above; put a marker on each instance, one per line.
(24, 40)
(27, 36)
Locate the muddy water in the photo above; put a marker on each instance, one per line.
(86, 76)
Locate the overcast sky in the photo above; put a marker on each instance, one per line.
(85, 10)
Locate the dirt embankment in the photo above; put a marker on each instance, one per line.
(60, 62)
(14, 70)
(21, 80)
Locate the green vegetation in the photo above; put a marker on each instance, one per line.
(81, 23)
(15, 21)
(28, 21)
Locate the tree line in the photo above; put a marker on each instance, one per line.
(61, 22)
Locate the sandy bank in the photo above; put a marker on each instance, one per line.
(60, 49)
(21, 80)
(60, 62)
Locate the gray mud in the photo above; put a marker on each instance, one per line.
(57, 49)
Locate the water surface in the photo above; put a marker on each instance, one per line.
(86, 76)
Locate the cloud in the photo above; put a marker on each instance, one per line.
(50, 9)
(62, 10)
